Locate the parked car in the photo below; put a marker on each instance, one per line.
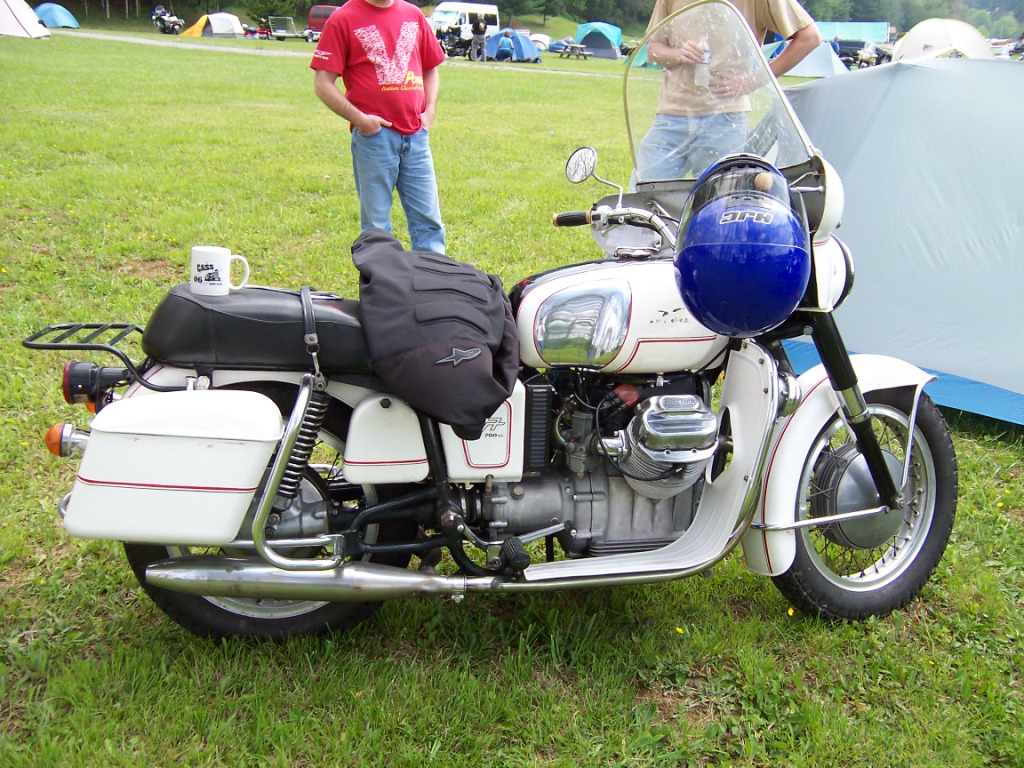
(318, 16)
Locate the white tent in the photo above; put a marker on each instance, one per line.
(216, 25)
(17, 19)
(929, 155)
(821, 62)
(942, 37)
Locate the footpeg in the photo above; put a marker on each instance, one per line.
(514, 555)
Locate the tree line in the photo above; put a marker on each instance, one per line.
(993, 18)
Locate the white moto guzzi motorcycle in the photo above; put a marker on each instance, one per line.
(266, 482)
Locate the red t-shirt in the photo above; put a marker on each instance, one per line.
(381, 55)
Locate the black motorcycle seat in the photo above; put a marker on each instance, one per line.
(257, 328)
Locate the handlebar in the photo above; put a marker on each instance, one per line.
(604, 216)
(571, 219)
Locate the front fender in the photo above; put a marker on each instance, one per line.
(771, 553)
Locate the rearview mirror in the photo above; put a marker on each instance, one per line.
(581, 165)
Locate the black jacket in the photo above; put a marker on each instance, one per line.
(441, 333)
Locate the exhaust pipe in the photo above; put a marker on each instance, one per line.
(364, 582)
(357, 581)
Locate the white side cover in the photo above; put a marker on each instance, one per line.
(173, 468)
(498, 452)
(385, 445)
(771, 553)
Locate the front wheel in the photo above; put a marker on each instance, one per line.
(874, 565)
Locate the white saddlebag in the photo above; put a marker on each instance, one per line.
(173, 468)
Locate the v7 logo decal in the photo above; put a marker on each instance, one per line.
(391, 70)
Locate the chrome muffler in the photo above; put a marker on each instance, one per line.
(255, 578)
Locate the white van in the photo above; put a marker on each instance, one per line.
(447, 15)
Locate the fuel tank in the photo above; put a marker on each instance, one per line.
(612, 316)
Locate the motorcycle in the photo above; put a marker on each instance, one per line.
(452, 41)
(266, 482)
(165, 22)
(260, 32)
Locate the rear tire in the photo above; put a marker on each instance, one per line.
(875, 565)
(219, 617)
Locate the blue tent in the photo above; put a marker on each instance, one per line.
(602, 40)
(523, 48)
(53, 15)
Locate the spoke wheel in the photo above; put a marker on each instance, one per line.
(273, 619)
(873, 565)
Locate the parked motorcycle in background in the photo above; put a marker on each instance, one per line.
(267, 482)
(452, 41)
(261, 32)
(165, 22)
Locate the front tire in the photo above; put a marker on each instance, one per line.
(874, 565)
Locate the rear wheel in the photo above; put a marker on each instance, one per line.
(873, 565)
(218, 617)
(272, 619)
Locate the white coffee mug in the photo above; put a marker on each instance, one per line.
(211, 270)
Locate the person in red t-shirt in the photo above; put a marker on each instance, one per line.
(387, 57)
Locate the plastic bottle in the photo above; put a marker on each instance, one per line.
(702, 69)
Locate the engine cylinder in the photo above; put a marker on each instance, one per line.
(667, 444)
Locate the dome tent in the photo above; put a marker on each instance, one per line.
(523, 48)
(17, 19)
(53, 15)
(602, 40)
(933, 38)
(216, 25)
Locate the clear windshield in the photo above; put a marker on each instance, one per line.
(699, 88)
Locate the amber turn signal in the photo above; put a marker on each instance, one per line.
(55, 437)
(63, 439)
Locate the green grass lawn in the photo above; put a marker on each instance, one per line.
(115, 159)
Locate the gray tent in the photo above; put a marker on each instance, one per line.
(929, 155)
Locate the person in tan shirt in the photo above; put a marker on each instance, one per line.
(700, 119)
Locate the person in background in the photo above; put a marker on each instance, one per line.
(835, 44)
(699, 122)
(479, 41)
(504, 52)
(387, 57)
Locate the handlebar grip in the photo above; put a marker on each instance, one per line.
(571, 219)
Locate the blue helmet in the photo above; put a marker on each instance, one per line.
(744, 257)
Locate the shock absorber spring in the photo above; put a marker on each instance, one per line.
(305, 441)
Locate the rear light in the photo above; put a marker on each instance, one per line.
(89, 383)
(63, 439)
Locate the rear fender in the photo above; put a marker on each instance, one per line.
(771, 553)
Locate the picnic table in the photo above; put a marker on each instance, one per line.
(574, 49)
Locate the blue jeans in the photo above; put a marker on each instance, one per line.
(388, 161)
(680, 147)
